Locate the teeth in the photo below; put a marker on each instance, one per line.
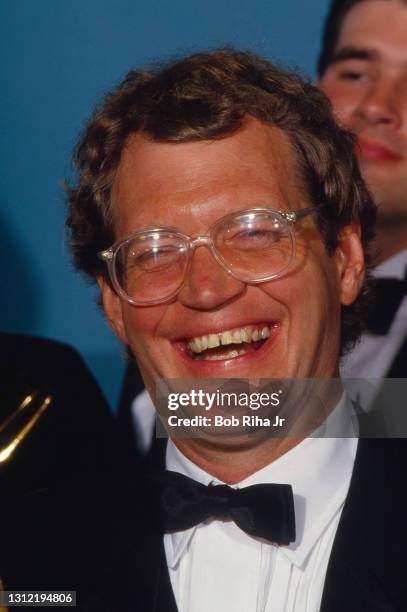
(213, 341)
(228, 355)
(245, 335)
(237, 336)
(226, 338)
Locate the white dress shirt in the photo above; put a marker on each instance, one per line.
(143, 416)
(216, 567)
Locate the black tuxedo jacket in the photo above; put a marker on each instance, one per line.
(103, 538)
(133, 384)
(75, 433)
(398, 368)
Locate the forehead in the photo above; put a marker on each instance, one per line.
(378, 25)
(170, 183)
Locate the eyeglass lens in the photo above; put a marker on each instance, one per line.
(253, 246)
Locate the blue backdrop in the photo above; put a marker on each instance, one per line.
(58, 57)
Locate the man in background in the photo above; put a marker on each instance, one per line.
(363, 70)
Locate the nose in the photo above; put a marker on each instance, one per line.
(208, 285)
(380, 103)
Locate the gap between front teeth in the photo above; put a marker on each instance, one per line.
(238, 336)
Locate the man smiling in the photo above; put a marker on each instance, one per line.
(184, 173)
(363, 70)
(192, 186)
(222, 213)
(230, 212)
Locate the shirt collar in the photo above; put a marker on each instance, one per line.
(394, 267)
(319, 470)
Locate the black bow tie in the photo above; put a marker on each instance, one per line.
(388, 295)
(263, 511)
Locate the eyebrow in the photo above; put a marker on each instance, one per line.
(354, 53)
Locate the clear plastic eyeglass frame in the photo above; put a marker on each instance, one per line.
(287, 220)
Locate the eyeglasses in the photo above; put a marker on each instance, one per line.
(254, 245)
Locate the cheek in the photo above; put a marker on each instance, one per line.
(310, 296)
(140, 325)
(301, 304)
(343, 107)
(343, 101)
(316, 315)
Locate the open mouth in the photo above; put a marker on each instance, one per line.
(229, 344)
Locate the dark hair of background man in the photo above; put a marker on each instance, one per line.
(337, 12)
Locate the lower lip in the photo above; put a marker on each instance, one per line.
(372, 152)
(224, 367)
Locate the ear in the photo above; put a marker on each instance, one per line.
(112, 306)
(350, 263)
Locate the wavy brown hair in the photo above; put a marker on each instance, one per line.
(207, 96)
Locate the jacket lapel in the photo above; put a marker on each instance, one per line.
(153, 575)
(137, 579)
(366, 570)
(398, 368)
(165, 600)
(149, 585)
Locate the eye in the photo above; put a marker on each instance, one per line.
(255, 238)
(154, 258)
(352, 75)
(353, 70)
